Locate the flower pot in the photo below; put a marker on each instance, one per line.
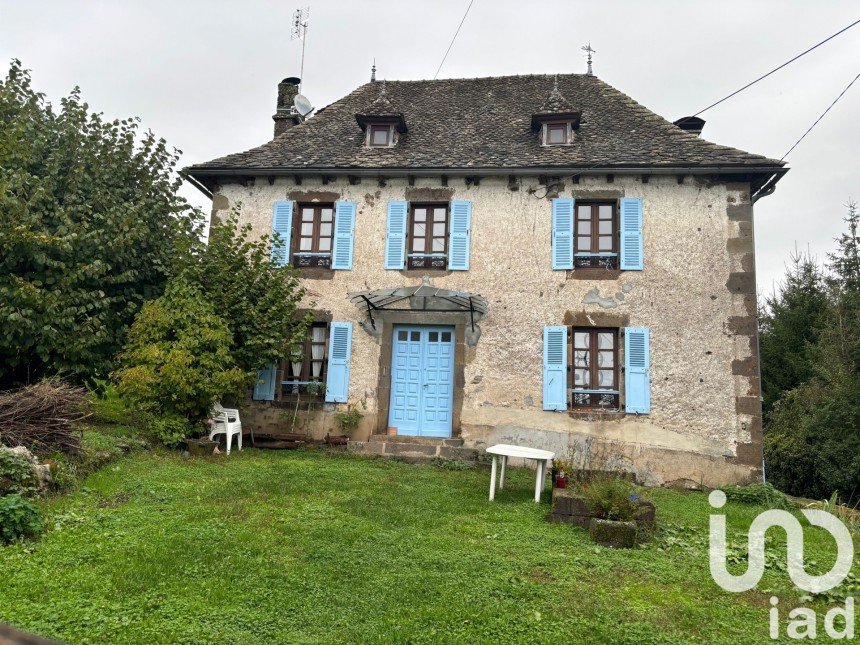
(561, 481)
(201, 447)
(392, 431)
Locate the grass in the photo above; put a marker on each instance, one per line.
(309, 546)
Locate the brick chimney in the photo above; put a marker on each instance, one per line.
(286, 115)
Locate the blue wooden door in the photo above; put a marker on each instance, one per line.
(422, 380)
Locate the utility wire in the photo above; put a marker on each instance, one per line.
(821, 117)
(471, 2)
(776, 69)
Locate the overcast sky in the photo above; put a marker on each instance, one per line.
(203, 73)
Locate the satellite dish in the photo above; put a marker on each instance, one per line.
(302, 105)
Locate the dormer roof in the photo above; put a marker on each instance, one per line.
(381, 110)
(556, 108)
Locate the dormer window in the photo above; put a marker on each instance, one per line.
(557, 134)
(380, 135)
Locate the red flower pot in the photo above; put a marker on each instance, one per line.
(561, 481)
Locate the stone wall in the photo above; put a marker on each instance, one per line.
(696, 295)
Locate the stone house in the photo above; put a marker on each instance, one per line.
(525, 259)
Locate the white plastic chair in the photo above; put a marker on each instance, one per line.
(227, 422)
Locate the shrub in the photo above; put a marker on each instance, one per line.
(349, 420)
(16, 474)
(19, 519)
(169, 430)
(611, 498)
(759, 494)
(177, 362)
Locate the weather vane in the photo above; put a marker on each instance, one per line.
(300, 31)
(589, 51)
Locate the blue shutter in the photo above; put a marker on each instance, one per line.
(637, 378)
(461, 233)
(344, 235)
(264, 390)
(282, 223)
(395, 241)
(631, 234)
(555, 368)
(339, 351)
(562, 233)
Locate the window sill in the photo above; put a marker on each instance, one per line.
(593, 274)
(596, 414)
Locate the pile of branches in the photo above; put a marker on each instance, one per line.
(44, 416)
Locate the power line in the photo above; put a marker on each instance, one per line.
(776, 69)
(471, 2)
(821, 117)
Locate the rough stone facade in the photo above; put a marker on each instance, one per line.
(696, 294)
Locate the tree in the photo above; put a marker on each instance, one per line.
(258, 299)
(178, 361)
(790, 323)
(90, 227)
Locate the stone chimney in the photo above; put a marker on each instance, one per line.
(286, 115)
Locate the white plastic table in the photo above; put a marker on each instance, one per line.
(504, 451)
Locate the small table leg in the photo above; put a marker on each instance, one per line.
(539, 481)
(502, 474)
(493, 479)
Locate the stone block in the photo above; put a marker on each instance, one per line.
(410, 449)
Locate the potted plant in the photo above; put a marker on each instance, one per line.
(202, 446)
(561, 469)
(615, 506)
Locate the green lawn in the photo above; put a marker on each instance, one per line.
(308, 546)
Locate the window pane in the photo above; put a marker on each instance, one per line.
(604, 211)
(583, 243)
(440, 214)
(605, 227)
(556, 134)
(439, 229)
(606, 359)
(605, 243)
(581, 340)
(446, 336)
(307, 228)
(580, 359)
(327, 214)
(316, 368)
(438, 245)
(325, 245)
(416, 336)
(418, 245)
(379, 136)
(419, 229)
(420, 214)
(295, 370)
(434, 337)
(307, 214)
(583, 212)
(580, 378)
(325, 229)
(305, 244)
(401, 335)
(605, 340)
(583, 228)
(605, 378)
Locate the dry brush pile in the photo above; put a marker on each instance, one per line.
(43, 416)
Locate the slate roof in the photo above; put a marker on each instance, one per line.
(555, 103)
(485, 123)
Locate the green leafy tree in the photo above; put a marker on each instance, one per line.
(90, 228)
(790, 323)
(258, 299)
(178, 361)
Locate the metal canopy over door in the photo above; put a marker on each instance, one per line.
(422, 380)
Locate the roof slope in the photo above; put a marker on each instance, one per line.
(486, 123)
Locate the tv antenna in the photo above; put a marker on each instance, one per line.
(300, 30)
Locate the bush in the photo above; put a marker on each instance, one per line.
(19, 519)
(169, 430)
(177, 362)
(760, 495)
(16, 475)
(611, 498)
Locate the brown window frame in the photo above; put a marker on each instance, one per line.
(591, 257)
(554, 125)
(302, 258)
(593, 399)
(380, 127)
(425, 259)
(288, 387)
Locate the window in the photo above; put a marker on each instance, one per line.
(594, 373)
(427, 237)
(304, 372)
(557, 134)
(312, 233)
(596, 236)
(379, 135)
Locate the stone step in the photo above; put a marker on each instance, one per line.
(412, 451)
(428, 441)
